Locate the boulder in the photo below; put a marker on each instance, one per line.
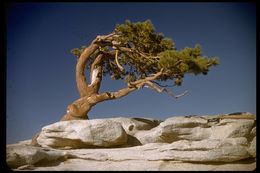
(82, 134)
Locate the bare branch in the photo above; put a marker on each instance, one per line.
(183, 94)
(145, 55)
(151, 85)
(149, 78)
(117, 63)
(103, 37)
(159, 89)
(163, 85)
(142, 54)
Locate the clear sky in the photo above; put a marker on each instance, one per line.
(40, 78)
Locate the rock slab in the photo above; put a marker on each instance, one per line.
(178, 143)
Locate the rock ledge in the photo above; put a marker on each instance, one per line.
(225, 142)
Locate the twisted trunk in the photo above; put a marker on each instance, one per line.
(89, 95)
(79, 108)
(81, 81)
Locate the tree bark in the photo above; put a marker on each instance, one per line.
(79, 108)
(81, 81)
(96, 80)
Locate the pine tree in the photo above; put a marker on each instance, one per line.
(137, 54)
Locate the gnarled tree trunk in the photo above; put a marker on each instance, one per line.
(89, 95)
(89, 92)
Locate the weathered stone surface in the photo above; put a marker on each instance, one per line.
(153, 156)
(195, 129)
(178, 143)
(141, 165)
(83, 134)
(174, 129)
(252, 147)
(231, 128)
(229, 150)
(21, 154)
(133, 125)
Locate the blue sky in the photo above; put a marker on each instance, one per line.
(41, 70)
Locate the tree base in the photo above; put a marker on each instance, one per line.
(69, 117)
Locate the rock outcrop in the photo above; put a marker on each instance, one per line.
(178, 143)
(196, 129)
(82, 134)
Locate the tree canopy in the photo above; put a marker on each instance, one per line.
(141, 52)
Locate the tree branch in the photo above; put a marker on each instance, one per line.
(115, 95)
(149, 78)
(81, 81)
(183, 94)
(142, 54)
(105, 40)
(96, 73)
(125, 91)
(159, 89)
(117, 63)
(163, 85)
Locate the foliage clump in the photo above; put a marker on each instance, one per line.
(143, 51)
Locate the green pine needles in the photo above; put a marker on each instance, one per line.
(142, 52)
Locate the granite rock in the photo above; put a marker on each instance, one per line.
(178, 143)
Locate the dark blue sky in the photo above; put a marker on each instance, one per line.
(41, 69)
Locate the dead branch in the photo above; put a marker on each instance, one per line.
(163, 85)
(150, 84)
